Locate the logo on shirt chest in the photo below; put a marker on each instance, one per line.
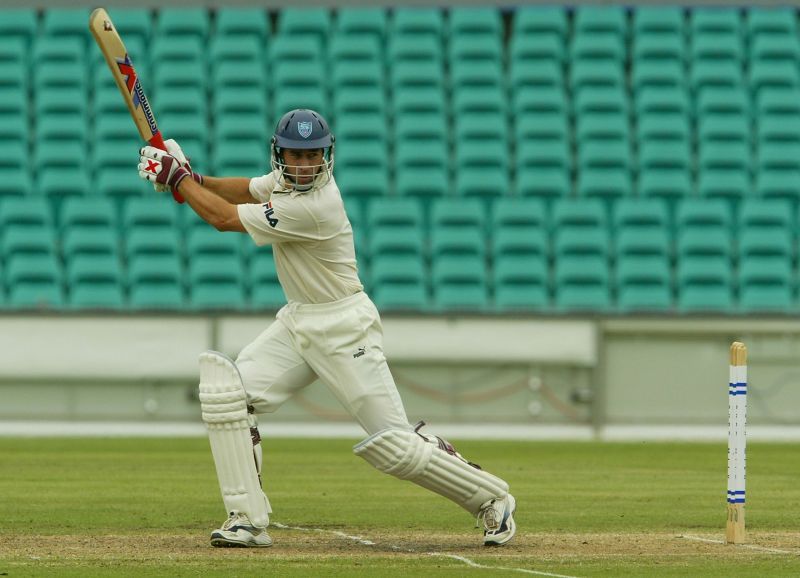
(269, 213)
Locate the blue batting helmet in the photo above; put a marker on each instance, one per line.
(303, 129)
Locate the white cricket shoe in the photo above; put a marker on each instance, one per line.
(239, 532)
(498, 520)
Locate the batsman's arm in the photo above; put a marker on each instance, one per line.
(235, 190)
(212, 207)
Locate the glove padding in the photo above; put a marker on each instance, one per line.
(174, 149)
(160, 167)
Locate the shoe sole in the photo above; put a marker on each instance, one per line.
(225, 543)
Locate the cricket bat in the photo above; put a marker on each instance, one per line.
(119, 61)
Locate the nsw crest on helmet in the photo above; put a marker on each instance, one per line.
(304, 128)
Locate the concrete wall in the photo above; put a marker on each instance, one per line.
(449, 370)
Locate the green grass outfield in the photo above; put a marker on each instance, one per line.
(144, 507)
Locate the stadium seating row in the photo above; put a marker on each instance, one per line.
(517, 255)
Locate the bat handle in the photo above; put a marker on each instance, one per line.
(158, 141)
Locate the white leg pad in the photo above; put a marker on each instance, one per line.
(409, 456)
(224, 405)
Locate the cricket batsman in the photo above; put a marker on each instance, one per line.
(329, 329)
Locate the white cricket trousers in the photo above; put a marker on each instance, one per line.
(339, 342)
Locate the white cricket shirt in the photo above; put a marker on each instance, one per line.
(311, 238)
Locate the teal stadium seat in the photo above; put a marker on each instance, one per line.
(359, 75)
(704, 287)
(766, 214)
(518, 212)
(536, 75)
(153, 242)
(468, 21)
(717, 47)
(582, 285)
(640, 213)
(533, 21)
(396, 240)
(643, 285)
(305, 22)
(15, 182)
(476, 48)
(88, 212)
(34, 282)
(727, 75)
(715, 21)
(149, 212)
(358, 21)
(459, 284)
(355, 48)
(723, 128)
(778, 184)
(417, 21)
(95, 282)
(216, 283)
(25, 212)
(62, 182)
(765, 286)
(778, 129)
(775, 48)
(13, 52)
(596, 47)
(176, 51)
(240, 23)
(65, 22)
(241, 128)
(414, 49)
(92, 241)
(661, 101)
(605, 20)
(658, 74)
(19, 23)
(133, 23)
(770, 22)
(156, 282)
(659, 48)
(778, 74)
(457, 241)
(394, 212)
(172, 23)
(526, 49)
(703, 214)
(294, 49)
(399, 283)
(59, 49)
(241, 158)
(665, 154)
(521, 283)
(658, 20)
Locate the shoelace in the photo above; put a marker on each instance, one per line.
(231, 521)
(489, 517)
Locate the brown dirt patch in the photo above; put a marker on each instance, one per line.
(316, 544)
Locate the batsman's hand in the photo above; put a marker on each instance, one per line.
(160, 167)
(174, 149)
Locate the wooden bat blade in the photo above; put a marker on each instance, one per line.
(119, 62)
(124, 73)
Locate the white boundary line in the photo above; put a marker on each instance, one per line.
(485, 431)
(467, 561)
(749, 546)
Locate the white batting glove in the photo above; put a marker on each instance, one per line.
(175, 150)
(159, 167)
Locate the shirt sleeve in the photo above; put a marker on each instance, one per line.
(281, 219)
(261, 187)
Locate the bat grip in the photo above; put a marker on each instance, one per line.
(158, 141)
